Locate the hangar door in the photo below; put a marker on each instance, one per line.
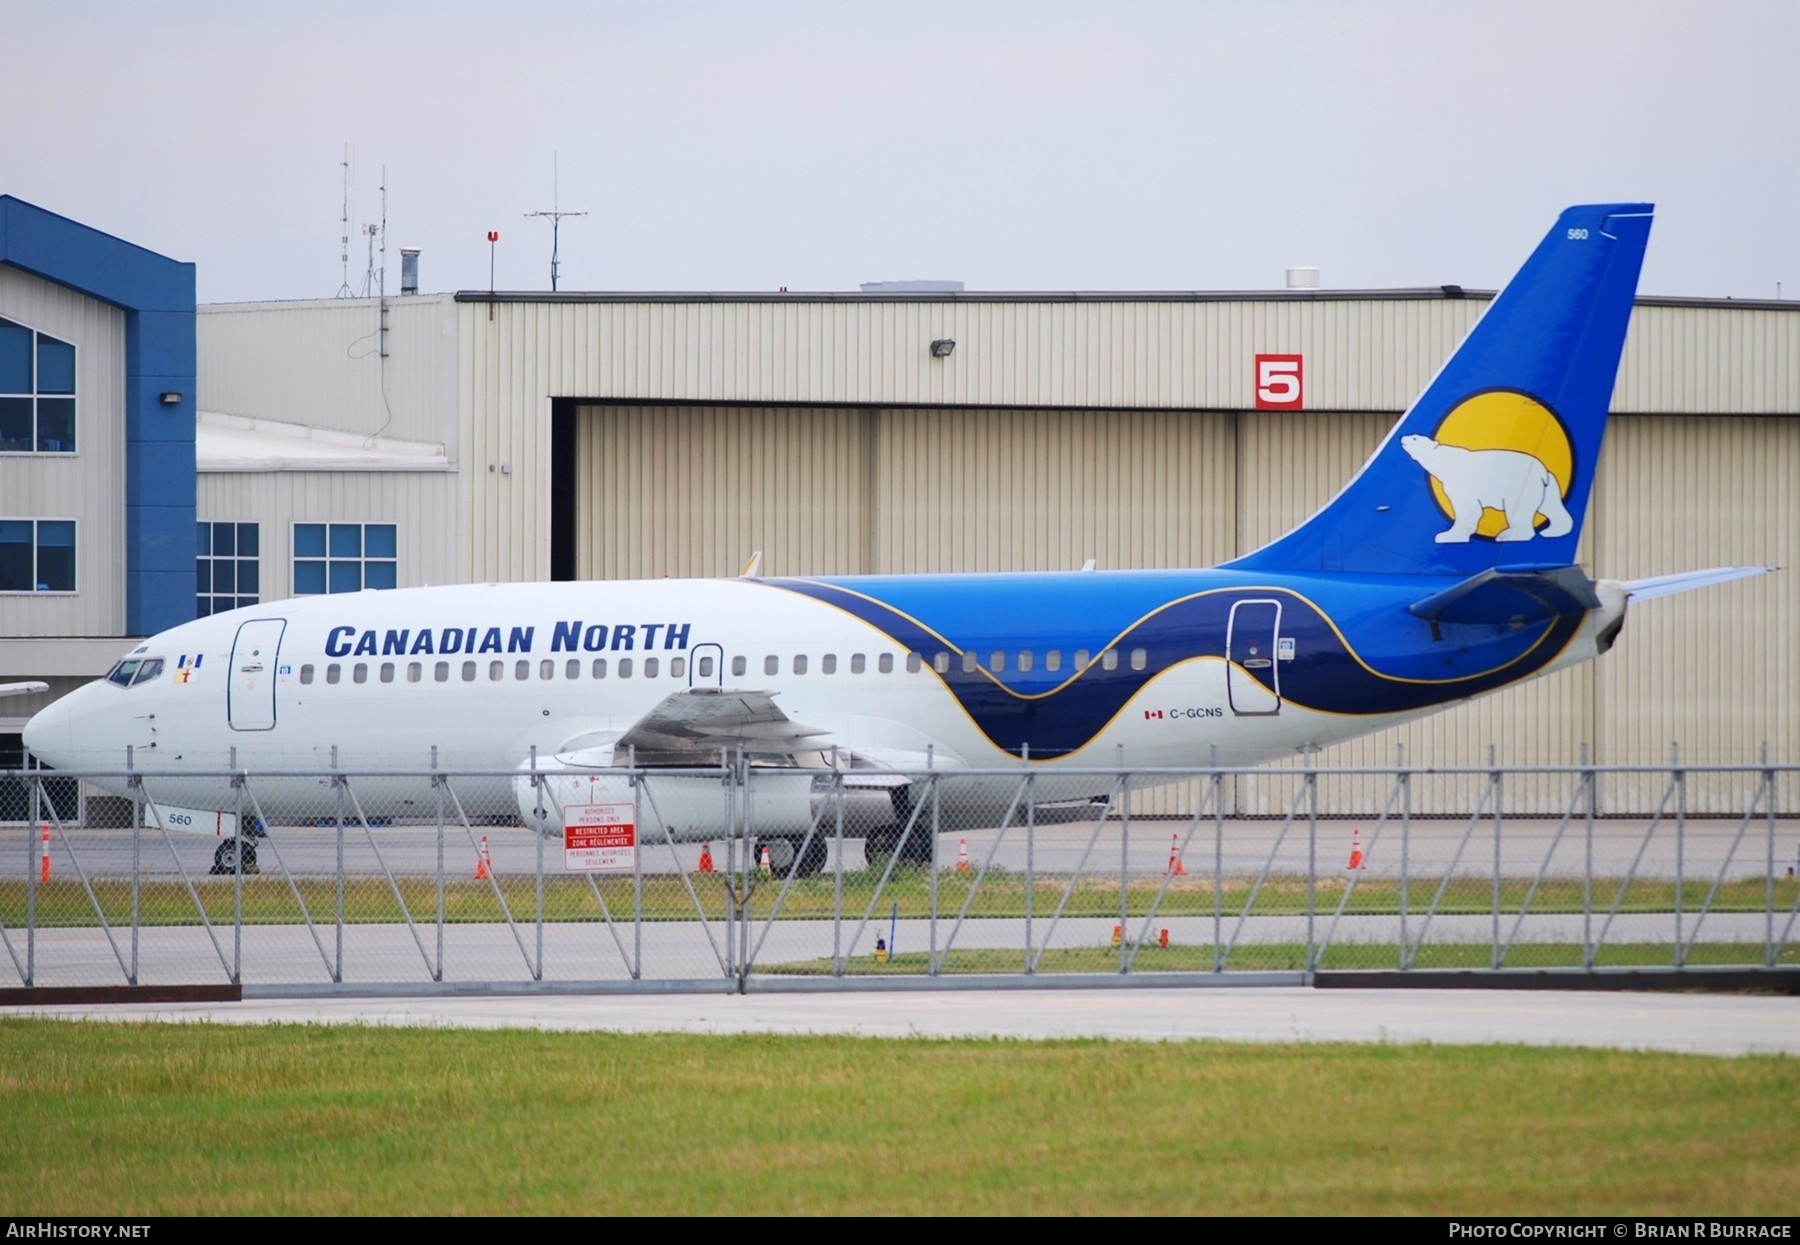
(672, 490)
(694, 491)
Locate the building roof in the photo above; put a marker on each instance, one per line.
(238, 443)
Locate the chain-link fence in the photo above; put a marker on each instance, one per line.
(344, 880)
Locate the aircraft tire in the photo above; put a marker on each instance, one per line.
(812, 860)
(879, 845)
(225, 856)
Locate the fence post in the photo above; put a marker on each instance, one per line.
(1680, 956)
(1312, 860)
(1405, 779)
(537, 788)
(1494, 776)
(937, 822)
(1124, 859)
(137, 887)
(337, 783)
(1030, 855)
(31, 872)
(1587, 873)
(839, 961)
(637, 888)
(437, 788)
(1768, 777)
(746, 803)
(237, 883)
(1218, 782)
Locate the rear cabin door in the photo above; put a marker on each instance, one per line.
(250, 696)
(1252, 675)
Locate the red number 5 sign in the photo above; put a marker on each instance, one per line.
(1278, 382)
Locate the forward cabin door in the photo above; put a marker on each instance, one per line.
(250, 696)
(1252, 676)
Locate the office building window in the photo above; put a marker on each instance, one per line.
(228, 572)
(37, 392)
(344, 557)
(37, 555)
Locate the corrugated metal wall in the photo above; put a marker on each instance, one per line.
(1086, 355)
(1046, 490)
(1715, 671)
(1081, 354)
(691, 491)
(1711, 360)
(687, 492)
(1362, 354)
(87, 486)
(1062, 428)
(319, 364)
(423, 505)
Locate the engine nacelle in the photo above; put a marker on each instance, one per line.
(683, 807)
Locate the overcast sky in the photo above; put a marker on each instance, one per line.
(1010, 145)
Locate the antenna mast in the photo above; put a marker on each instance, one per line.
(344, 290)
(375, 279)
(555, 216)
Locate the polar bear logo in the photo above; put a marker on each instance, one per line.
(1510, 481)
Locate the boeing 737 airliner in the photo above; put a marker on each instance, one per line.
(1443, 570)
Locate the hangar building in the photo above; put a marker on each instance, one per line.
(339, 444)
(601, 436)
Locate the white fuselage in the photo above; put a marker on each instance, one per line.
(483, 677)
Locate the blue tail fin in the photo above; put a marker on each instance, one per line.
(1493, 464)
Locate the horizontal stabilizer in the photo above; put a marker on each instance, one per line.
(1687, 581)
(1507, 594)
(23, 689)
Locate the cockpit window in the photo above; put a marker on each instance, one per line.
(135, 670)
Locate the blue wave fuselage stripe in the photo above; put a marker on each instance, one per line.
(1356, 649)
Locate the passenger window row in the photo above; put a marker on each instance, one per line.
(545, 669)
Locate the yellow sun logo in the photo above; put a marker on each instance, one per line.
(1501, 420)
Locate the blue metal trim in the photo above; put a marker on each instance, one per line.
(157, 296)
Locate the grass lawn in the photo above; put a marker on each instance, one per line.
(152, 1119)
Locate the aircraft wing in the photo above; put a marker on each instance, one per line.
(22, 689)
(1687, 581)
(690, 726)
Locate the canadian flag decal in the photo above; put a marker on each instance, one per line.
(1153, 713)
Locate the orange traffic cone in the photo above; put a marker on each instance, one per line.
(1118, 935)
(767, 868)
(1356, 855)
(1176, 868)
(1162, 939)
(706, 860)
(44, 868)
(962, 856)
(481, 861)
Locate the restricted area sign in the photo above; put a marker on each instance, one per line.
(599, 838)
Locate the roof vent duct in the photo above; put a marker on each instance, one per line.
(409, 270)
(1303, 278)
